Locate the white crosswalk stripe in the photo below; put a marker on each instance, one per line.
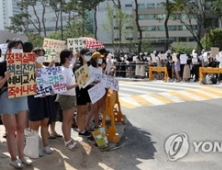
(155, 93)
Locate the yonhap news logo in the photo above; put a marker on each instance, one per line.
(177, 146)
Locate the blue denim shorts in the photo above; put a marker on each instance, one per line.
(12, 106)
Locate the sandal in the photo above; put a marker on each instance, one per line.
(71, 144)
(17, 164)
(52, 137)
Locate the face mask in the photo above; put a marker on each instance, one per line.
(40, 59)
(17, 50)
(100, 61)
(73, 61)
(87, 58)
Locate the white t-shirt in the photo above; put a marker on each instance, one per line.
(70, 80)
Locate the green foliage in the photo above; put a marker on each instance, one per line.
(212, 39)
(181, 48)
(37, 40)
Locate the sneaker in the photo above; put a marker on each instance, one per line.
(40, 153)
(47, 150)
(16, 164)
(26, 161)
(86, 134)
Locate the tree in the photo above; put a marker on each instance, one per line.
(213, 39)
(37, 40)
(118, 23)
(138, 26)
(217, 9)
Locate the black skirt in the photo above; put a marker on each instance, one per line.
(41, 108)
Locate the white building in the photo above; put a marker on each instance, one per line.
(8, 8)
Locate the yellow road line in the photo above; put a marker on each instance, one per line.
(127, 105)
(161, 98)
(213, 91)
(199, 94)
(184, 97)
(142, 101)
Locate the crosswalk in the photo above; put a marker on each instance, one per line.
(154, 93)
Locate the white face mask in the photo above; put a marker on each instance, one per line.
(87, 58)
(100, 61)
(16, 50)
(40, 59)
(73, 61)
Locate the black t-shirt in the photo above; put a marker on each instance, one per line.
(3, 69)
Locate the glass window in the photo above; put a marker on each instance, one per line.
(160, 5)
(182, 39)
(161, 16)
(172, 28)
(182, 28)
(151, 17)
(183, 16)
(192, 16)
(191, 39)
(172, 39)
(151, 28)
(141, 6)
(143, 28)
(150, 6)
(142, 17)
(161, 28)
(128, 6)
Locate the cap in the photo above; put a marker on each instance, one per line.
(84, 51)
(97, 55)
(103, 51)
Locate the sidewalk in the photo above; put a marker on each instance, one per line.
(131, 79)
(86, 157)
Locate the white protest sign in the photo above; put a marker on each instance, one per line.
(96, 92)
(76, 44)
(183, 59)
(194, 60)
(153, 58)
(50, 80)
(219, 58)
(52, 49)
(110, 82)
(95, 74)
(3, 48)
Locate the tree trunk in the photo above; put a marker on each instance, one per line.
(120, 24)
(39, 23)
(57, 21)
(166, 25)
(43, 18)
(138, 27)
(95, 23)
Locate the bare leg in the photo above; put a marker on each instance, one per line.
(44, 131)
(67, 123)
(93, 111)
(21, 119)
(81, 116)
(10, 126)
(52, 128)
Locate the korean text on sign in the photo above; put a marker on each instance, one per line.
(82, 75)
(76, 44)
(22, 79)
(50, 80)
(53, 49)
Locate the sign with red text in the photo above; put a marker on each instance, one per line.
(22, 80)
(52, 49)
(50, 81)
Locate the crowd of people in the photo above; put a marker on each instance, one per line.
(137, 66)
(72, 108)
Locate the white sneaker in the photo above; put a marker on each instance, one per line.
(26, 161)
(47, 150)
(17, 164)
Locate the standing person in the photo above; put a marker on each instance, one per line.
(177, 68)
(67, 100)
(83, 99)
(13, 112)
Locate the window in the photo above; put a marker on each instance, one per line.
(160, 5)
(116, 28)
(192, 16)
(182, 39)
(128, 6)
(182, 28)
(116, 39)
(151, 17)
(141, 6)
(182, 16)
(143, 28)
(150, 6)
(142, 17)
(191, 39)
(161, 28)
(172, 28)
(129, 28)
(129, 38)
(172, 39)
(151, 28)
(160, 16)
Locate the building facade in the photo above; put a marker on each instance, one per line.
(8, 8)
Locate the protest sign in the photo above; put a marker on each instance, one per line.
(183, 59)
(214, 51)
(76, 44)
(22, 79)
(96, 92)
(50, 80)
(52, 49)
(3, 48)
(110, 82)
(82, 75)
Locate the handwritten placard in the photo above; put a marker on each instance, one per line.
(96, 92)
(50, 80)
(82, 75)
(183, 59)
(3, 48)
(53, 48)
(22, 79)
(76, 44)
(110, 82)
(214, 51)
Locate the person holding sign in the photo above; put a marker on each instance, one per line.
(83, 99)
(13, 112)
(67, 100)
